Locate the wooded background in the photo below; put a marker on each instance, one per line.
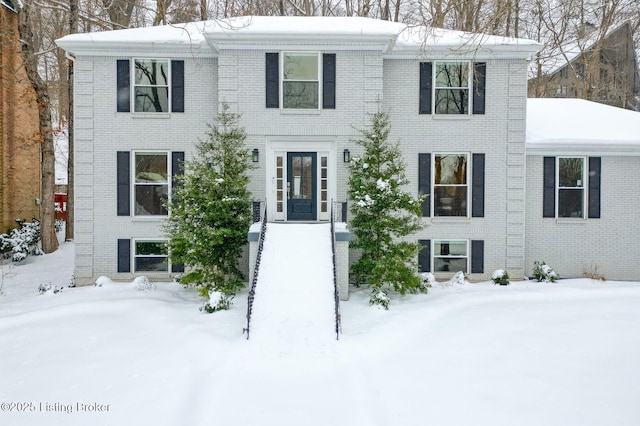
(554, 23)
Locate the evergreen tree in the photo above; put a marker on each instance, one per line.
(211, 213)
(383, 215)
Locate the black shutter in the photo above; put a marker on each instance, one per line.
(123, 183)
(549, 187)
(272, 74)
(177, 166)
(424, 256)
(477, 186)
(124, 255)
(424, 182)
(124, 92)
(425, 88)
(329, 81)
(477, 256)
(594, 187)
(479, 80)
(177, 86)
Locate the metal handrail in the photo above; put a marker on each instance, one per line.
(256, 268)
(336, 288)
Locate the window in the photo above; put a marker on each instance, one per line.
(450, 256)
(571, 187)
(561, 90)
(151, 183)
(294, 80)
(151, 256)
(158, 85)
(452, 87)
(151, 85)
(450, 188)
(300, 80)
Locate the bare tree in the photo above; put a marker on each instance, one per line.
(47, 210)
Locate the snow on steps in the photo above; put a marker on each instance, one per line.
(294, 295)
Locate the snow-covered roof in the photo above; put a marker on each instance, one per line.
(339, 33)
(558, 126)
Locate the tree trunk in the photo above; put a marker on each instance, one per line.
(73, 28)
(47, 151)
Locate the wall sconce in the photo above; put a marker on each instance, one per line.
(255, 155)
(346, 156)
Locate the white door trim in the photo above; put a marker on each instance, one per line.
(280, 145)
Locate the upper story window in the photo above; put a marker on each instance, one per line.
(450, 185)
(151, 85)
(452, 87)
(571, 187)
(300, 80)
(154, 85)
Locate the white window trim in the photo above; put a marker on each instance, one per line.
(281, 79)
(434, 74)
(433, 185)
(134, 184)
(134, 85)
(585, 187)
(134, 241)
(449, 240)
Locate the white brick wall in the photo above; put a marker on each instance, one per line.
(572, 246)
(364, 83)
(501, 140)
(101, 132)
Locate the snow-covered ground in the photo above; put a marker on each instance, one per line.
(476, 354)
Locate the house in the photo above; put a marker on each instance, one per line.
(304, 85)
(591, 65)
(19, 129)
(583, 198)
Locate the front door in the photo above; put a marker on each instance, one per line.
(301, 186)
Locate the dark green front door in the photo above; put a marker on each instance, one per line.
(301, 186)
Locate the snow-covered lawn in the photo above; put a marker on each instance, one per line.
(476, 354)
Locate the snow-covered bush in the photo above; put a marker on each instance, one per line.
(501, 277)
(217, 302)
(458, 278)
(544, 272)
(22, 241)
(379, 297)
(49, 289)
(428, 280)
(102, 280)
(142, 283)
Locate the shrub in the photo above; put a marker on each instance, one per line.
(217, 302)
(428, 280)
(500, 277)
(458, 278)
(544, 272)
(49, 289)
(379, 297)
(22, 241)
(592, 273)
